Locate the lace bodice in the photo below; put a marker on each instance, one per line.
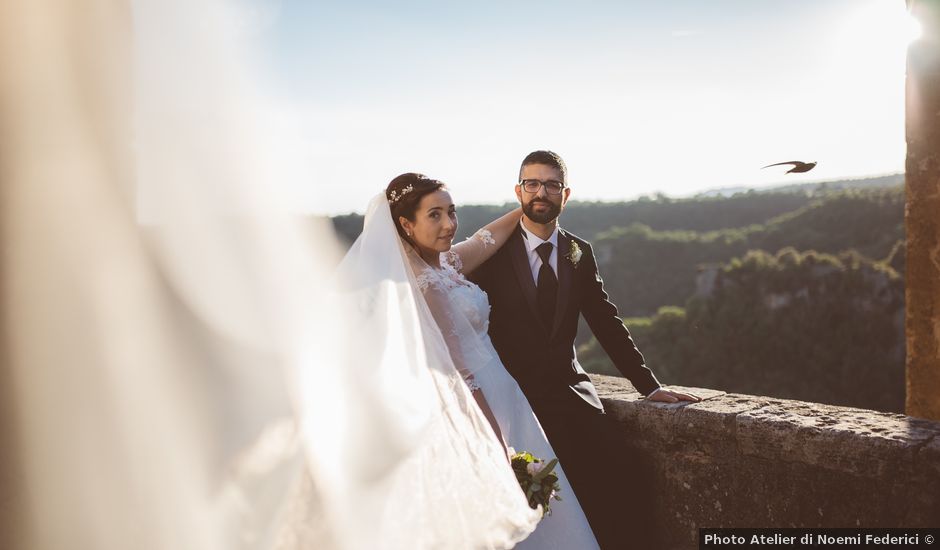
(460, 308)
(466, 298)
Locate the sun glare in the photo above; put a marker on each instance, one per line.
(909, 30)
(873, 39)
(882, 24)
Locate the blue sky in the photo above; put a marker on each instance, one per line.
(639, 97)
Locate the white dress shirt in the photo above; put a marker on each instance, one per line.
(532, 241)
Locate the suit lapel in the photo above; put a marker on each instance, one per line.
(520, 262)
(565, 273)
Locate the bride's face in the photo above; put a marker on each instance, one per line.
(435, 223)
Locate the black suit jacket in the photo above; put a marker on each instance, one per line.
(542, 359)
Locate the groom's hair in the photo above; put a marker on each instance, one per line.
(549, 158)
(405, 192)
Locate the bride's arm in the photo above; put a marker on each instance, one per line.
(485, 242)
(461, 344)
(487, 412)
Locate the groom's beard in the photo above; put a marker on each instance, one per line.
(547, 216)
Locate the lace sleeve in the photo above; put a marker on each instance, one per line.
(425, 279)
(462, 341)
(475, 250)
(452, 259)
(485, 236)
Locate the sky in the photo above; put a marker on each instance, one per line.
(673, 97)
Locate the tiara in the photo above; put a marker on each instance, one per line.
(397, 195)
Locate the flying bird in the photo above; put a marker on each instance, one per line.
(798, 166)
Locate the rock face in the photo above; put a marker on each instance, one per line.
(922, 218)
(736, 460)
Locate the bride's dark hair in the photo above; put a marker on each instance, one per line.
(405, 192)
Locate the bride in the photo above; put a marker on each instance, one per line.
(425, 219)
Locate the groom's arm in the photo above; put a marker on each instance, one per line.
(601, 315)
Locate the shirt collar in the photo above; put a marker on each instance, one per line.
(532, 241)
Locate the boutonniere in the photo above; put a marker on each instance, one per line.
(574, 254)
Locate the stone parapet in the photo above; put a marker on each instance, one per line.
(737, 460)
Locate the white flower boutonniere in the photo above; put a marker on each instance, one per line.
(574, 254)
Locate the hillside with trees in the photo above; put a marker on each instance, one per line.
(645, 269)
(807, 326)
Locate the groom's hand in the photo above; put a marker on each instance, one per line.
(667, 396)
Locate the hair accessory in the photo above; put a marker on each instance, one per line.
(397, 195)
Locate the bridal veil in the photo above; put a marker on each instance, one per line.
(182, 365)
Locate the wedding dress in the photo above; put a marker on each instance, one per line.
(461, 310)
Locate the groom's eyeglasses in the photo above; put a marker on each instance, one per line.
(552, 187)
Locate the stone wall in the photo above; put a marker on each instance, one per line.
(738, 460)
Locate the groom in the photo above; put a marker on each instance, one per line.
(539, 283)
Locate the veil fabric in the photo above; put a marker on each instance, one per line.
(442, 478)
(198, 377)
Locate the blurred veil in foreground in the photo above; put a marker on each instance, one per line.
(179, 369)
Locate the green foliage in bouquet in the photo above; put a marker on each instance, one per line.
(537, 479)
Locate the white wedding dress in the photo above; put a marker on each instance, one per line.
(461, 310)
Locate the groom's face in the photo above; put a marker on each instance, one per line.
(541, 206)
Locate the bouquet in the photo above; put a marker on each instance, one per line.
(537, 480)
